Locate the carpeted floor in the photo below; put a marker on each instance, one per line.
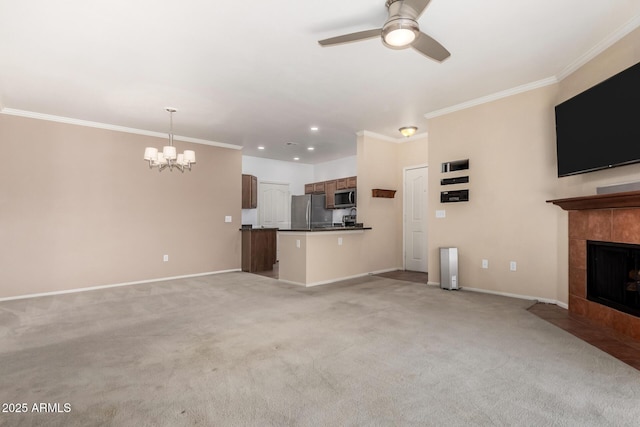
(242, 349)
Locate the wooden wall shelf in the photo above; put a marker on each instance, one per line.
(388, 194)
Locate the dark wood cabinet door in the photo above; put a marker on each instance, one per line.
(249, 192)
(330, 191)
(258, 249)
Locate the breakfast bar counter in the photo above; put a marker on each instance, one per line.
(321, 255)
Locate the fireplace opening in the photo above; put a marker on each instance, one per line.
(613, 275)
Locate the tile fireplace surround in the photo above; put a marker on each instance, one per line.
(608, 218)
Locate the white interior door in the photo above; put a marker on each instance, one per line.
(274, 205)
(415, 219)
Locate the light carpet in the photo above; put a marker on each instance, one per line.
(238, 349)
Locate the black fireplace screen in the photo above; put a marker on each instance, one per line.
(613, 275)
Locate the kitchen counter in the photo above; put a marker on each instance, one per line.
(322, 255)
(315, 230)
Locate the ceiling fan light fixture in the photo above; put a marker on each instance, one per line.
(400, 32)
(408, 131)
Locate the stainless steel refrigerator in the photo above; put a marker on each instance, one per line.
(309, 211)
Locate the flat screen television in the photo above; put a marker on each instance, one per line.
(600, 127)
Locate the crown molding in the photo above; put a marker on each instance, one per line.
(614, 37)
(97, 125)
(390, 139)
(493, 97)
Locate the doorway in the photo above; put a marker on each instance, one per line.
(415, 219)
(274, 211)
(274, 205)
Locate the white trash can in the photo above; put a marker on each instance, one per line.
(449, 268)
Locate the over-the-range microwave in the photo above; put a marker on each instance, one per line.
(345, 198)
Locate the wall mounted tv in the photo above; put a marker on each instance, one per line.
(600, 127)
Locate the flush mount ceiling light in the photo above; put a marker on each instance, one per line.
(168, 158)
(408, 131)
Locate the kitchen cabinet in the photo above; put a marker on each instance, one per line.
(330, 187)
(330, 192)
(258, 249)
(347, 183)
(314, 188)
(249, 192)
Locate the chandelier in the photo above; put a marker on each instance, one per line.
(168, 158)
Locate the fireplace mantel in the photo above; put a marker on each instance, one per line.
(629, 199)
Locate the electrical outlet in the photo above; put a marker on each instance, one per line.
(485, 263)
(339, 241)
(513, 266)
(165, 258)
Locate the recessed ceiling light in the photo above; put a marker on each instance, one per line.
(260, 147)
(310, 148)
(296, 158)
(314, 128)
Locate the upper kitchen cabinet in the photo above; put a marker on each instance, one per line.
(347, 183)
(329, 188)
(308, 189)
(330, 191)
(314, 188)
(249, 192)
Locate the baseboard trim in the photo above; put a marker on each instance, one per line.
(518, 296)
(116, 285)
(340, 279)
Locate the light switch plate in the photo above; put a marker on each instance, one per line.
(441, 214)
(227, 218)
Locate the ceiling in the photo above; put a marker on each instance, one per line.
(251, 73)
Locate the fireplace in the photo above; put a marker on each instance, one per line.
(613, 275)
(605, 227)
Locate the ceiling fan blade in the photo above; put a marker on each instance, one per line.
(353, 37)
(428, 46)
(417, 6)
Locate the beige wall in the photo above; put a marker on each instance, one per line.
(509, 144)
(378, 168)
(511, 147)
(80, 208)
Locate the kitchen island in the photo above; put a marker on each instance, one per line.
(317, 256)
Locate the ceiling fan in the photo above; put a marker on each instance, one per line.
(400, 31)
